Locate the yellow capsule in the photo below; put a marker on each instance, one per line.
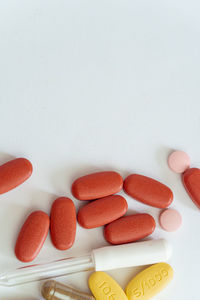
(105, 287)
(149, 282)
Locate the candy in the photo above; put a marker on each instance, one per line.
(102, 211)
(104, 287)
(191, 181)
(170, 220)
(97, 185)
(14, 173)
(148, 191)
(63, 223)
(32, 236)
(149, 282)
(178, 161)
(52, 290)
(129, 229)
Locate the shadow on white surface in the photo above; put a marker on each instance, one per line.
(41, 200)
(9, 228)
(82, 170)
(124, 276)
(5, 157)
(20, 298)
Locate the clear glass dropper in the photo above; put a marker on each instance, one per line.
(102, 259)
(45, 271)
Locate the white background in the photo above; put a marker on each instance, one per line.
(99, 85)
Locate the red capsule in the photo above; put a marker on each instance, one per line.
(102, 211)
(32, 236)
(191, 181)
(14, 173)
(63, 223)
(129, 229)
(148, 191)
(97, 185)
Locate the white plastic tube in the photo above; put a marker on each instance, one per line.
(135, 254)
(102, 259)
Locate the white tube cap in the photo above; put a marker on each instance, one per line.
(129, 255)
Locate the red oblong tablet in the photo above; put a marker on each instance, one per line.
(63, 223)
(102, 211)
(191, 181)
(97, 185)
(148, 190)
(129, 229)
(32, 236)
(14, 173)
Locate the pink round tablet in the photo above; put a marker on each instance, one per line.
(178, 161)
(170, 219)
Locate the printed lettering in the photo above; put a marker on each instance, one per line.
(136, 293)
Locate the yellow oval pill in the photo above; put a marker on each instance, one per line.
(105, 287)
(149, 282)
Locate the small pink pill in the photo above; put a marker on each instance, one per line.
(179, 161)
(170, 219)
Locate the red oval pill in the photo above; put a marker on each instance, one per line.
(63, 223)
(129, 229)
(32, 236)
(14, 173)
(97, 185)
(148, 191)
(191, 181)
(102, 211)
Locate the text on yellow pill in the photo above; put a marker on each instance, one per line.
(149, 282)
(104, 287)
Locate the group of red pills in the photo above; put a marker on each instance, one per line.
(104, 209)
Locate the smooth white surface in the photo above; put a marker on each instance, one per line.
(133, 254)
(99, 85)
